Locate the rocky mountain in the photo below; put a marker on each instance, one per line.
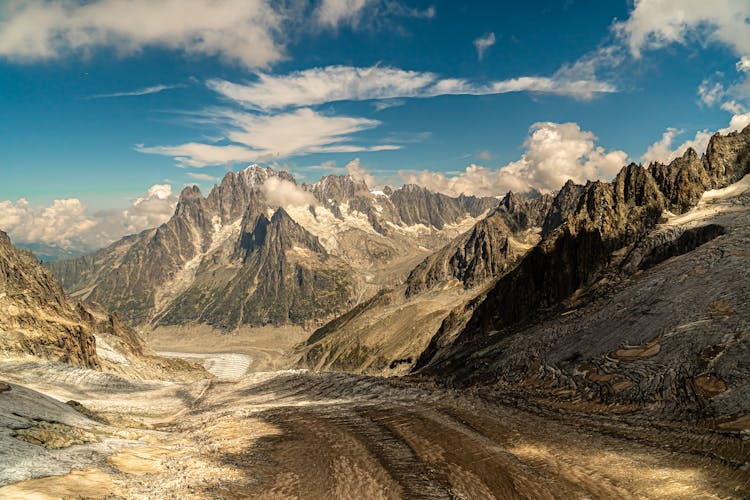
(486, 250)
(625, 303)
(38, 321)
(387, 333)
(263, 250)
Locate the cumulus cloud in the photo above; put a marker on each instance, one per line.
(484, 155)
(69, 225)
(664, 151)
(483, 43)
(151, 209)
(283, 193)
(154, 89)
(554, 153)
(62, 223)
(316, 86)
(654, 24)
(239, 31)
(268, 137)
(358, 172)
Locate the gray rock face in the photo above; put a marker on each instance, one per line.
(286, 277)
(237, 190)
(417, 205)
(486, 251)
(564, 205)
(683, 181)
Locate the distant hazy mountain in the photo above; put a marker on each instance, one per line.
(50, 253)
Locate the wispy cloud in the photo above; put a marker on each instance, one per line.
(483, 43)
(317, 86)
(202, 177)
(354, 13)
(256, 138)
(154, 89)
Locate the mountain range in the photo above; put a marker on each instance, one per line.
(262, 250)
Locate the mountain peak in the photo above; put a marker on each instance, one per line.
(190, 193)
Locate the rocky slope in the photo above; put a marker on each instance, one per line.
(35, 315)
(387, 333)
(38, 321)
(625, 303)
(247, 255)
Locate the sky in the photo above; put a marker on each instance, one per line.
(108, 108)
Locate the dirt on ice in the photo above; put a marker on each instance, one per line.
(299, 434)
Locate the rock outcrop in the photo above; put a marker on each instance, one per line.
(39, 321)
(35, 316)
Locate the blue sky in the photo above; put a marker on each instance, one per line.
(117, 104)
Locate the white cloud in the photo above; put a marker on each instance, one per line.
(268, 137)
(388, 103)
(663, 152)
(61, 223)
(555, 152)
(69, 225)
(738, 122)
(483, 43)
(151, 209)
(334, 13)
(331, 13)
(484, 155)
(239, 31)
(655, 24)
(202, 177)
(154, 89)
(316, 86)
(359, 173)
(194, 154)
(711, 93)
(283, 193)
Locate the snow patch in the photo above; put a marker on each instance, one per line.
(185, 276)
(327, 226)
(107, 352)
(711, 203)
(736, 189)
